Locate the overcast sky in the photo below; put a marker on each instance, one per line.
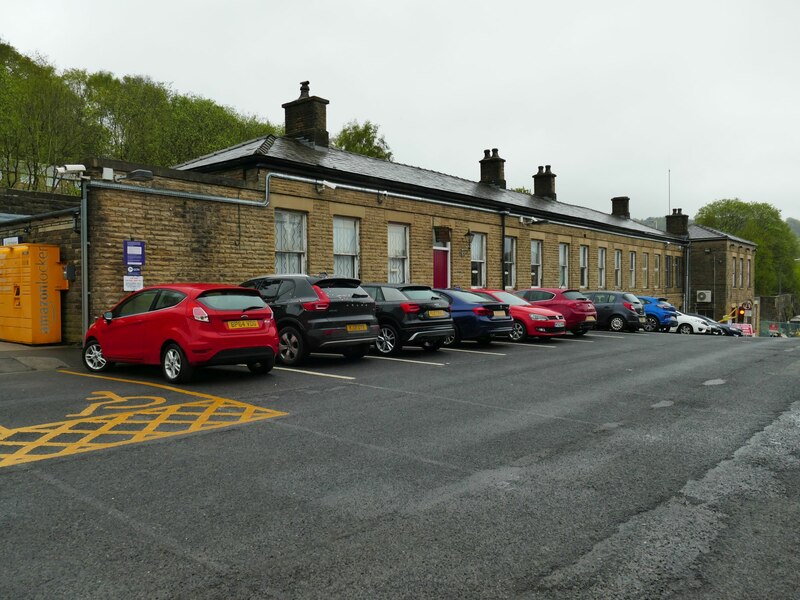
(675, 104)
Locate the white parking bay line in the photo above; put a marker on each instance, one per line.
(408, 360)
(313, 373)
(573, 339)
(534, 346)
(608, 337)
(471, 351)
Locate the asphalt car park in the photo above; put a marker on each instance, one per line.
(402, 475)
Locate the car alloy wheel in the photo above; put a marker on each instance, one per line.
(616, 323)
(685, 328)
(651, 324)
(291, 347)
(387, 340)
(518, 332)
(174, 365)
(93, 357)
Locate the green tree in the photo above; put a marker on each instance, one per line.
(362, 139)
(759, 222)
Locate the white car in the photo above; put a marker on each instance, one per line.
(687, 324)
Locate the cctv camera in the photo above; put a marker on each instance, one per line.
(70, 169)
(328, 184)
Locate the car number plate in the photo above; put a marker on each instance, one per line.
(559, 324)
(589, 319)
(642, 319)
(436, 313)
(244, 324)
(353, 327)
(499, 313)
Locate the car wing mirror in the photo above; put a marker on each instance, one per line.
(107, 316)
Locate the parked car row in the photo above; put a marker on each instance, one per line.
(286, 317)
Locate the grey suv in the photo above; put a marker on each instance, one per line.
(617, 311)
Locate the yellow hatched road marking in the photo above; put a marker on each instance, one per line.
(63, 438)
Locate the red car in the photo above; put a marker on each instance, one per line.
(529, 320)
(578, 310)
(182, 326)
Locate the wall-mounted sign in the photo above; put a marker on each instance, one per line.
(133, 252)
(132, 283)
(10, 241)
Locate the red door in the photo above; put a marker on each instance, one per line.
(441, 268)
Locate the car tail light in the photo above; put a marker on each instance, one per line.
(482, 311)
(199, 314)
(409, 307)
(322, 302)
(629, 306)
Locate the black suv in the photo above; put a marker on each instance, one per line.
(318, 314)
(409, 314)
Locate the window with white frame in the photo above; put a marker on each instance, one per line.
(563, 265)
(510, 262)
(657, 271)
(749, 282)
(345, 247)
(741, 272)
(584, 258)
(618, 268)
(668, 271)
(536, 263)
(645, 270)
(398, 253)
(632, 269)
(290, 242)
(733, 272)
(601, 268)
(478, 262)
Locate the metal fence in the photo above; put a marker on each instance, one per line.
(779, 329)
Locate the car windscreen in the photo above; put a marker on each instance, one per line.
(231, 300)
(574, 295)
(421, 294)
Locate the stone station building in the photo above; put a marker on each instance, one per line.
(294, 204)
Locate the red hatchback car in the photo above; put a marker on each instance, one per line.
(529, 321)
(182, 326)
(578, 310)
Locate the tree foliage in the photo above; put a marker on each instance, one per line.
(362, 139)
(47, 119)
(759, 222)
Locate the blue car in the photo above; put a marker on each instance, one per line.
(475, 317)
(660, 315)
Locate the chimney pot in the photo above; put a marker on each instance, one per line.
(678, 223)
(306, 119)
(620, 207)
(544, 183)
(493, 168)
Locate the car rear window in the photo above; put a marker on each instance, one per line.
(231, 300)
(421, 294)
(342, 288)
(574, 295)
(631, 298)
(510, 298)
(470, 296)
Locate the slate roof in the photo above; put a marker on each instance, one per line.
(392, 176)
(701, 232)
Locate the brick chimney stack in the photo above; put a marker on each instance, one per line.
(544, 183)
(620, 207)
(493, 169)
(306, 117)
(678, 223)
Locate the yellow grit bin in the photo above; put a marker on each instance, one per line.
(31, 278)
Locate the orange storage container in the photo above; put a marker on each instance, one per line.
(31, 278)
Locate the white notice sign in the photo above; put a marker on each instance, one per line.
(132, 283)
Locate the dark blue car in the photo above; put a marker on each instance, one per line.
(660, 315)
(475, 317)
